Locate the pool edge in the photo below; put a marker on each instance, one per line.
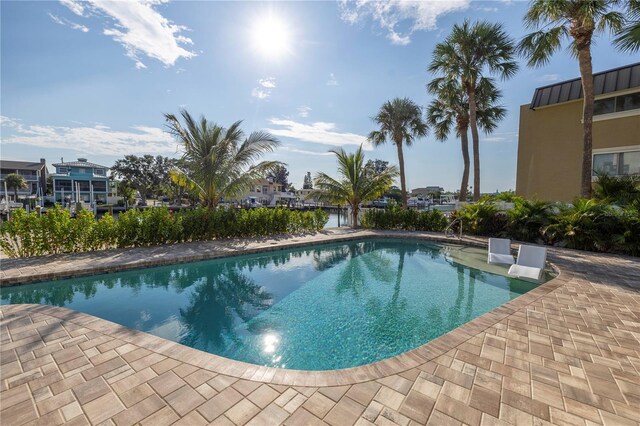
(377, 370)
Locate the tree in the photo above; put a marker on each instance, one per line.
(16, 182)
(145, 174)
(450, 110)
(308, 182)
(579, 21)
(628, 39)
(280, 175)
(355, 186)
(221, 162)
(400, 121)
(468, 54)
(376, 166)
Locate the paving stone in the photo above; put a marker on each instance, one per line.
(184, 400)
(242, 412)
(263, 395)
(318, 405)
(345, 412)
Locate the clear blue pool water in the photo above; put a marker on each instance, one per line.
(318, 308)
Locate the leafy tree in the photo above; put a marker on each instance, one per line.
(400, 121)
(468, 54)
(355, 185)
(16, 182)
(450, 110)
(146, 174)
(220, 162)
(579, 21)
(280, 175)
(126, 191)
(376, 166)
(308, 182)
(628, 39)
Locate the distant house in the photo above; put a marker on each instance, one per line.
(266, 192)
(35, 174)
(550, 143)
(80, 178)
(427, 190)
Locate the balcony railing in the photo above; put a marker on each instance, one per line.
(30, 178)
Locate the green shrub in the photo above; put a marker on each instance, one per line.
(56, 232)
(482, 218)
(528, 219)
(397, 218)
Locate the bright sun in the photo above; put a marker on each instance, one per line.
(271, 37)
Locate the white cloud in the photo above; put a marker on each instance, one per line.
(269, 82)
(68, 23)
(99, 139)
(260, 93)
(303, 151)
(549, 77)
(303, 111)
(392, 14)
(75, 6)
(332, 80)
(139, 28)
(263, 91)
(318, 132)
(500, 137)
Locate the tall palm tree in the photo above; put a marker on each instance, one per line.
(16, 182)
(450, 109)
(628, 39)
(578, 21)
(356, 184)
(469, 53)
(220, 161)
(400, 121)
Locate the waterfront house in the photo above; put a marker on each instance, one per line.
(79, 180)
(34, 173)
(266, 192)
(550, 141)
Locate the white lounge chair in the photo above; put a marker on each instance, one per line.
(500, 251)
(530, 263)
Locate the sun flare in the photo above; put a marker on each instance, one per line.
(271, 37)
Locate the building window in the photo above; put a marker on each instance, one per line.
(63, 170)
(100, 186)
(617, 104)
(83, 185)
(617, 163)
(99, 172)
(628, 102)
(63, 185)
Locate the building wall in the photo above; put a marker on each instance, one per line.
(550, 148)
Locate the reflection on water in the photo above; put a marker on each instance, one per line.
(331, 306)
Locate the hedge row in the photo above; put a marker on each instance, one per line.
(57, 232)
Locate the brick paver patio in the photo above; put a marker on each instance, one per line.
(567, 352)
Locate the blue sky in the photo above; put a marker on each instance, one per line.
(93, 79)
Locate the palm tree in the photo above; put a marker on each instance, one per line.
(400, 121)
(356, 184)
(628, 39)
(450, 110)
(15, 181)
(467, 54)
(579, 21)
(221, 161)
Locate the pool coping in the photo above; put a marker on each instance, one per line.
(377, 370)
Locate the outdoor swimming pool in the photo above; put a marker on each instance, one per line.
(314, 308)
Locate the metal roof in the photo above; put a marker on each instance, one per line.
(79, 164)
(21, 165)
(614, 80)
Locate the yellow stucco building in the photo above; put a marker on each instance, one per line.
(550, 135)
